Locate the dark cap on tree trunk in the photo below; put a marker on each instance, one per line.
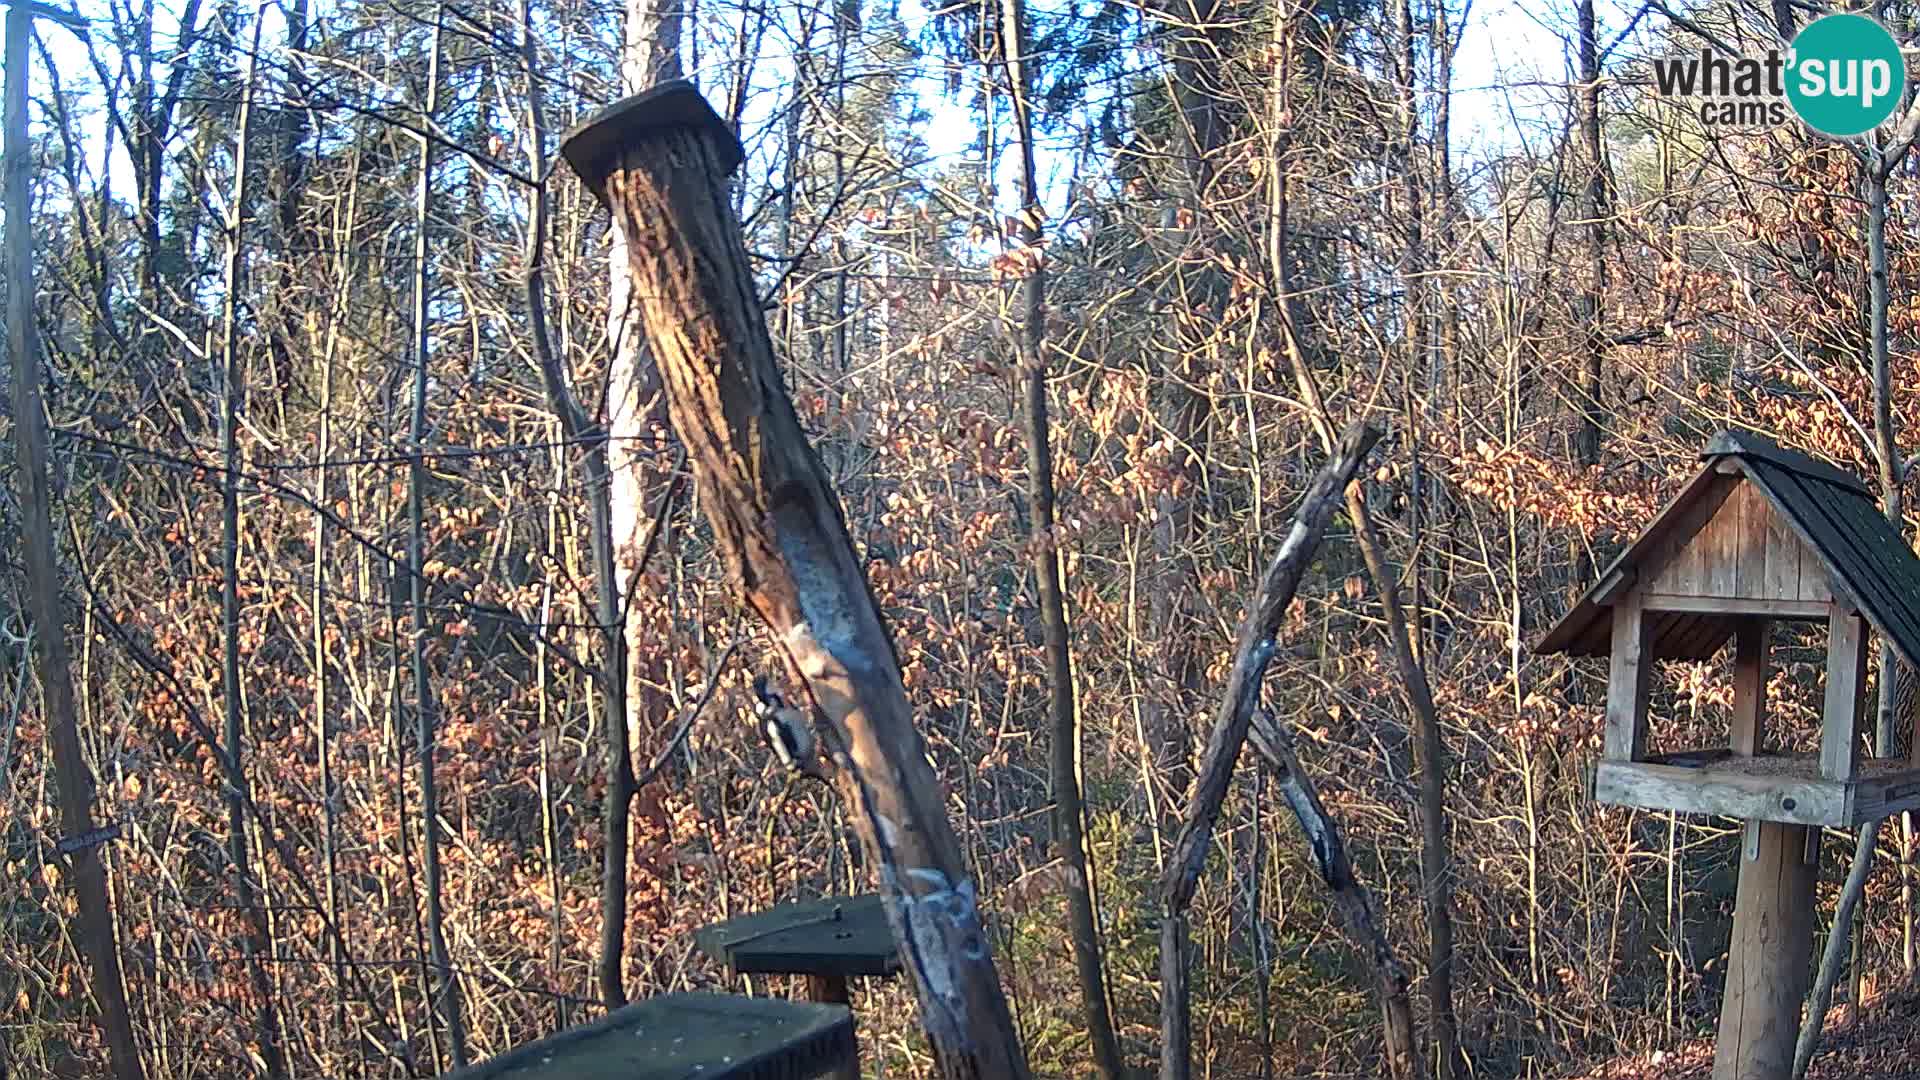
(593, 146)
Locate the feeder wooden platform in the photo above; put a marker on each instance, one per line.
(1769, 787)
(835, 937)
(828, 941)
(678, 1036)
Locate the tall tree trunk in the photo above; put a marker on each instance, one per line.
(446, 1005)
(1069, 822)
(294, 121)
(1430, 761)
(1429, 751)
(330, 794)
(1413, 286)
(1594, 208)
(258, 943)
(1886, 736)
(94, 929)
(1413, 255)
(635, 457)
(1886, 451)
(1408, 632)
(1184, 409)
(591, 444)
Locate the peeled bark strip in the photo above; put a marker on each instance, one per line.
(660, 161)
(1250, 658)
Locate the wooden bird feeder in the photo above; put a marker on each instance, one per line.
(1760, 535)
(675, 1036)
(827, 941)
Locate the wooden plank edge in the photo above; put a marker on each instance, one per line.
(1646, 786)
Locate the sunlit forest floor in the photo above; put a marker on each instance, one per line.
(1882, 1044)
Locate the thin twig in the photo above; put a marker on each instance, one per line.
(686, 723)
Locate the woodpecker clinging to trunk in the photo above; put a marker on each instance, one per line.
(788, 731)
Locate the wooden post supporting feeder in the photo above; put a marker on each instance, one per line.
(659, 162)
(1760, 535)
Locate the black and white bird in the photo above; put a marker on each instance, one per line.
(788, 732)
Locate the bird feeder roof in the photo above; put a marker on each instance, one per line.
(1867, 563)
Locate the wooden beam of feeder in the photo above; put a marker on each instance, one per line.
(659, 161)
(1767, 958)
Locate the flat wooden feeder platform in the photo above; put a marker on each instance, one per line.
(1767, 787)
(834, 938)
(686, 1036)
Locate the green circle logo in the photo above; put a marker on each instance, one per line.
(1845, 75)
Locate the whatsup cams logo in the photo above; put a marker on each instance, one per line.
(1842, 76)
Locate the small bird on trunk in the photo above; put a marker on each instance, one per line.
(787, 730)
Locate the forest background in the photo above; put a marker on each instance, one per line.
(283, 258)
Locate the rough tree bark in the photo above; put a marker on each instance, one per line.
(1274, 746)
(93, 926)
(1253, 651)
(660, 161)
(1069, 829)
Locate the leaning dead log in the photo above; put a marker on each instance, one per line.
(1259, 632)
(1274, 747)
(659, 161)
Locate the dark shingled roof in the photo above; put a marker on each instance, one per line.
(1832, 511)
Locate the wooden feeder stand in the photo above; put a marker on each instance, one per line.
(675, 1036)
(1760, 535)
(827, 940)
